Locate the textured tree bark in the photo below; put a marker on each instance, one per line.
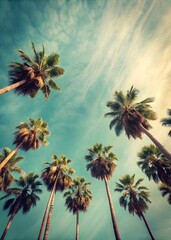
(11, 87)
(46, 233)
(115, 226)
(10, 221)
(44, 216)
(5, 161)
(77, 226)
(149, 230)
(157, 143)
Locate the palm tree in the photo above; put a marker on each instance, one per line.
(28, 136)
(78, 199)
(167, 121)
(165, 190)
(154, 164)
(34, 74)
(56, 177)
(101, 163)
(24, 197)
(135, 197)
(133, 117)
(6, 178)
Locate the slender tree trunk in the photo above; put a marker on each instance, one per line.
(77, 226)
(115, 226)
(5, 161)
(158, 144)
(149, 230)
(10, 221)
(11, 87)
(49, 218)
(46, 211)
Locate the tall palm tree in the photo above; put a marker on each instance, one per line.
(166, 191)
(101, 163)
(6, 178)
(135, 197)
(24, 197)
(78, 199)
(154, 164)
(133, 117)
(56, 177)
(28, 136)
(34, 74)
(167, 121)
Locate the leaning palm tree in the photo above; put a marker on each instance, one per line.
(6, 178)
(154, 164)
(78, 199)
(135, 197)
(56, 177)
(101, 163)
(167, 121)
(133, 117)
(166, 191)
(24, 197)
(28, 136)
(34, 74)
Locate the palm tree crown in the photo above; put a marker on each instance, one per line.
(79, 195)
(167, 121)
(135, 197)
(128, 115)
(101, 161)
(37, 73)
(6, 178)
(59, 170)
(154, 164)
(25, 194)
(166, 191)
(31, 135)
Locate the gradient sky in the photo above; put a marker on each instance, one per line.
(104, 46)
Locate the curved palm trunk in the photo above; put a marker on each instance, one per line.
(77, 226)
(9, 156)
(149, 230)
(46, 211)
(11, 87)
(115, 226)
(158, 144)
(49, 218)
(10, 221)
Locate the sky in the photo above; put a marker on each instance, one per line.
(104, 46)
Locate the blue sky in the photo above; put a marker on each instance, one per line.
(104, 46)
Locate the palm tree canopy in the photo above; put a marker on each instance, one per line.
(166, 191)
(37, 71)
(79, 195)
(101, 161)
(129, 115)
(154, 164)
(31, 135)
(167, 121)
(25, 194)
(58, 169)
(134, 197)
(6, 178)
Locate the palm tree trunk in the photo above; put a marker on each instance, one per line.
(11, 87)
(158, 144)
(49, 218)
(9, 156)
(10, 221)
(148, 228)
(77, 226)
(115, 226)
(46, 211)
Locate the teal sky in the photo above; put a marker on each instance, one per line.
(104, 46)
